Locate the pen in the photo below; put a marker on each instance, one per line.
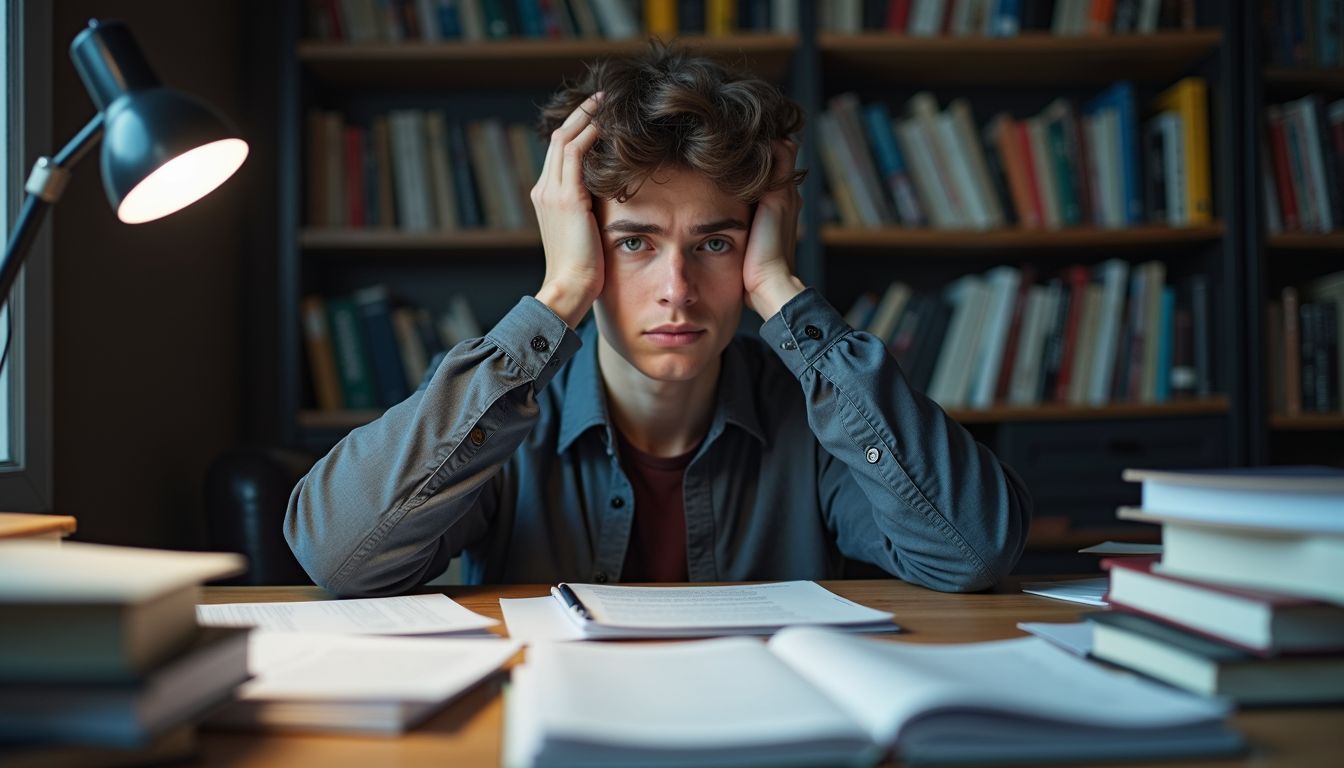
(572, 600)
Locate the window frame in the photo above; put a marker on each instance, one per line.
(26, 479)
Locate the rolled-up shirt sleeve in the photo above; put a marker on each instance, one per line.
(396, 499)
(903, 486)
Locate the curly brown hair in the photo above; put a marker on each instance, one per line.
(667, 106)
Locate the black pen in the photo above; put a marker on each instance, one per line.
(572, 600)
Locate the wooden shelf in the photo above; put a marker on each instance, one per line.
(1282, 80)
(1027, 60)
(540, 63)
(396, 240)
(1307, 241)
(1307, 422)
(1090, 238)
(1059, 412)
(310, 419)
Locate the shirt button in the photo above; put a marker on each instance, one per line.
(477, 436)
(813, 332)
(600, 577)
(872, 455)
(617, 502)
(540, 344)
(788, 345)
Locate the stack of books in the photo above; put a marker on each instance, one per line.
(103, 661)
(1246, 601)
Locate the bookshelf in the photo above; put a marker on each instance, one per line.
(1283, 257)
(1020, 74)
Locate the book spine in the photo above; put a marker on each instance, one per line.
(321, 356)
(1283, 182)
(355, 204)
(375, 312)
(351, 358)
(660, 18)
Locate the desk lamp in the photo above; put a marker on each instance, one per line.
(162, 149)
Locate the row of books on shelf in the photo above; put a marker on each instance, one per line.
(1086, 337)
(1303, 329)
(394, 21)
(1005, 18)
(1303, 33)
(420, 171)
(1244, 601)
(368, 350)
(1302, 166)
(1069, 165)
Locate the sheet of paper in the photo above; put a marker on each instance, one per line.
(1085, 591)
(407, 615)
(311, 666)
(1122, 548)
(777, 604)
(537, 619)
(1074, 637)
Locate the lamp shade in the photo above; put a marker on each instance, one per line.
(161, 149)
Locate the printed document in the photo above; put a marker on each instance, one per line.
(407, 615)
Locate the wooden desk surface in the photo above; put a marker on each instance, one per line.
(468, 732)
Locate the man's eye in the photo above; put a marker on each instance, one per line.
(718, 245)
(632, 244)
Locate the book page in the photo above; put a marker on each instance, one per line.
(406, 615)
(756, 605)
(692, 695)
(884, 685)
(79, 572)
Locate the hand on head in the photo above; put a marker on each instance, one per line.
(767, 269)
(569, 233)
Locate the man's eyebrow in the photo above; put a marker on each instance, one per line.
(625, 226)
(717, 226)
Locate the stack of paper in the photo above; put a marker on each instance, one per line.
(591, 611)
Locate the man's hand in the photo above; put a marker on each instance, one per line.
(569, 236)
(767, 268)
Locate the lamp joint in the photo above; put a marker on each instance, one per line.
(47, 180)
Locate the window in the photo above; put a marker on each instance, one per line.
(25, 382)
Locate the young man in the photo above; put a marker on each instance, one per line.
(652, 444)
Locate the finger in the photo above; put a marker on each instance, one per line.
(574, 153)
(578, 119)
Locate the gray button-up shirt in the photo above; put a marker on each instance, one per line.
(818, 450)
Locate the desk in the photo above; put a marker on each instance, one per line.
(467, 733)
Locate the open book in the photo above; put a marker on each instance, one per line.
(815, 696)
(592, 611)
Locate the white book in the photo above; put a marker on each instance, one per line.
(962, 23)
(918, 151)
(968, 297)
(973, 152)
(784, 16)
(617, 19)
(1045, 175)
(441, 171)
(923, 107)
(1303, 114)
(1114, 280)
(1149, 10)
(840, 182)
(1024, 385)
(888, 310)
(816, 697)
(510, 196)
(321, 682)
(409, 172)
(1100, 181)
(1296, 498)
(471, 17)
(926, 18)
(1168, 126)
(1003, 282)
(957, 162)
(428, 11)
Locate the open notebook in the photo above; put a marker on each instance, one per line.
(814, 696)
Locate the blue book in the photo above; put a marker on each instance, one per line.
(1007, 18)
(1165, 336)
(450, 25)
(530, 18)
(469, 209)
(890, 163)
(380, 338)
(1120, 97)
(1328, 22)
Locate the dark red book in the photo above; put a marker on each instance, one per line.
(898, 15)
(1078, 278)
(356, 208)
(1258, 622)
(1283, 180)
(1028, 272)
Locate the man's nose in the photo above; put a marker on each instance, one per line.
(678, 283)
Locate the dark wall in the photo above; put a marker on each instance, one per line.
(147, 318)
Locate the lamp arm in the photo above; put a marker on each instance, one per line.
(45, 185)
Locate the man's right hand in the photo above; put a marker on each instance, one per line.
(569, 235)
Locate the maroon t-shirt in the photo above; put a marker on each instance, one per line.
(657, 550)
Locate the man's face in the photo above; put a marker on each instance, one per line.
(672, 296)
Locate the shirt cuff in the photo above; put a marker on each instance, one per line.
(804, 329)
(536, 339)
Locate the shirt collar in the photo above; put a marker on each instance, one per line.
(584, 405)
